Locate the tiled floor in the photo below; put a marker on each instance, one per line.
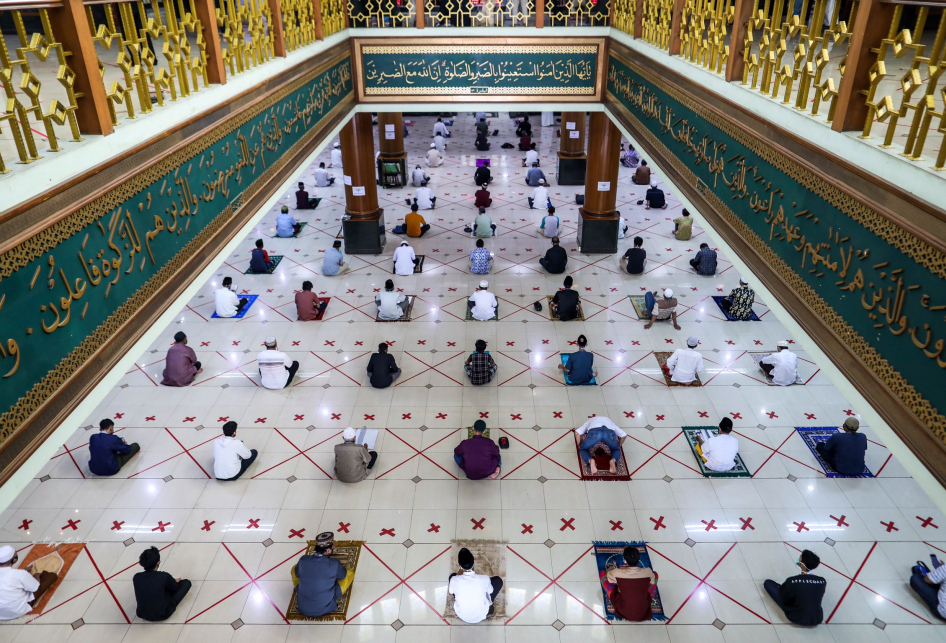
(712, 541)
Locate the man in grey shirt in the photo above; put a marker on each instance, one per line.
(535, 173)
(353, 461)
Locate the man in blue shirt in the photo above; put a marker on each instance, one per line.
(705, 261)
(259, 259)
(580, 366)
(534, 174)
(107, 452)
(480, 259)
(318, 577)
(334, 262)
(286, 224)
(844, 452)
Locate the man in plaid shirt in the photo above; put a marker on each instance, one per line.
(480, 367)
(705, 261)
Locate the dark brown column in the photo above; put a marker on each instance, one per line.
(676, 18)
(216, 72)
(278, 31)
(71, 27)
(391, 141)
(317, 17)
(740, 27)
(871, 25)
(598, 222)
(571, 153)
(638, 18)
(363, 224)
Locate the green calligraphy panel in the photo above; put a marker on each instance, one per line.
(880, 288)
(64, 291)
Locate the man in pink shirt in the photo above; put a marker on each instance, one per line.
(478, 456)
(181, 365)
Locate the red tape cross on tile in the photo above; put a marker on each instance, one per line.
(478, 524)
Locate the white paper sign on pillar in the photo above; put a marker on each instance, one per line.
(574, 134)
(603, 186)
(389, 128)
(346, 179)
(569, 126)
(358, 190)
(389, 136)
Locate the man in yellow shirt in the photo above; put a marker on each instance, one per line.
(415, 224)
(683, 226)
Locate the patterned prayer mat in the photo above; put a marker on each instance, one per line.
(243, 311)
(614, 552)
(603, 462)
(469, 432)
(639, 306)
(341, 233)
(274, 258)
(348, 552)
(324, 300)
(738, 471)
(407, 313)
(490, 560)
(302, 225)
(419, 268)
(758, 357)
(593, 381)
(719, 304)
(662, 357)
(49, 558)
(554, 316)
(814, 435)
(469, 316)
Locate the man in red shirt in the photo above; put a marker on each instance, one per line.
(483, 199)
(630, 587)
(478, 456)
(308, 305)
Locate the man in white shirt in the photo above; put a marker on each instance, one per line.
(440, 143)
(441, 129)
(322, 178)
(600, 429)
(540, 197)
(19, 589)
(473, 594)
(404, 260)
(231, 457)
(719, 452)
(683, 365)
(276, 370)
(226, 301)
(781, 366)
(531, 157)
(482, 303)
(391, 305)
(336, 156)
(424, 197)
(433, 156)
(419, 177)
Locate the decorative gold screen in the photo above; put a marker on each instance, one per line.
(333, 16)
(656, 22)
(704, 32)
(488, 13)
(381, 13)
(577, 13)
(625, 12)
(298, 23)
(247, 36)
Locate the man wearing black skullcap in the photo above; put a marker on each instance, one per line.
(473, 594)
(800, 596)
(181, 365)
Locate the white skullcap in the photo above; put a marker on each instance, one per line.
(484, 284)
(692, 341)
(349, 434)
(668, 293)
(782, 344)
(6, 554)
(743, 280)
(270, 341)
(653, 183)
(541, 181)
(433, 145)
(405, 243)
(338, 145)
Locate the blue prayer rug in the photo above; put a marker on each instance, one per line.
(814, 435)
(613, 552)
(242, 313)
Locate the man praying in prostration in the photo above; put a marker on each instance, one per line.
(181, 365)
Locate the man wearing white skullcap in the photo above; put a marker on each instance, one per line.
(336, 156)
(482, 303)
(739, 302)
(404, 260)
(353, 461)
(19, 589)
(433, 156)
(276, 370)
(683, 365)
(655, 197)
(665, 308)
(781, 366)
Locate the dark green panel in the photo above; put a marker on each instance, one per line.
(887, 285)
(83, 276)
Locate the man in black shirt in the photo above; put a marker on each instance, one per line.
(800, 596)
(482, 175)
(655, 197)
(158, 593)
(555, 258)
(636, 257)
(565, 302)
(382, 371)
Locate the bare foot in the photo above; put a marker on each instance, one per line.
(495, 473)
(613, 468)
(199, 371)
(593, 467)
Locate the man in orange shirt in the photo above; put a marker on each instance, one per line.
(415, 224)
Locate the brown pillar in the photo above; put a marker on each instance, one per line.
(539, 14)
(638, 18)
(871, 25)
(419, 13)
(363, 223)
(279, 33)
(598, 222)
(216, 72)
(676, 18)
(391, 142)
(317, 17)
(71, 27)
(571, 153)
(740, 27)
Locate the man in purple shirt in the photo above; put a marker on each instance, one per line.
(181, 365)
(478, 456)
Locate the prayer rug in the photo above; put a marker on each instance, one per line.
(662, 357)
(490, 560)
(554, 316)
(49, 558)
(469, 434)
(738, 471)
(593, 381)
(614, 552)
(341, 233)
(758, 357)
(419, 268)
(324, 300)
(346, 551)
(719, 304)
(406, 317)
(275, 259)
(302, 225)
(469, 316)
(242, 313)
(812, 436)
(603, 462)
(639, 306)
